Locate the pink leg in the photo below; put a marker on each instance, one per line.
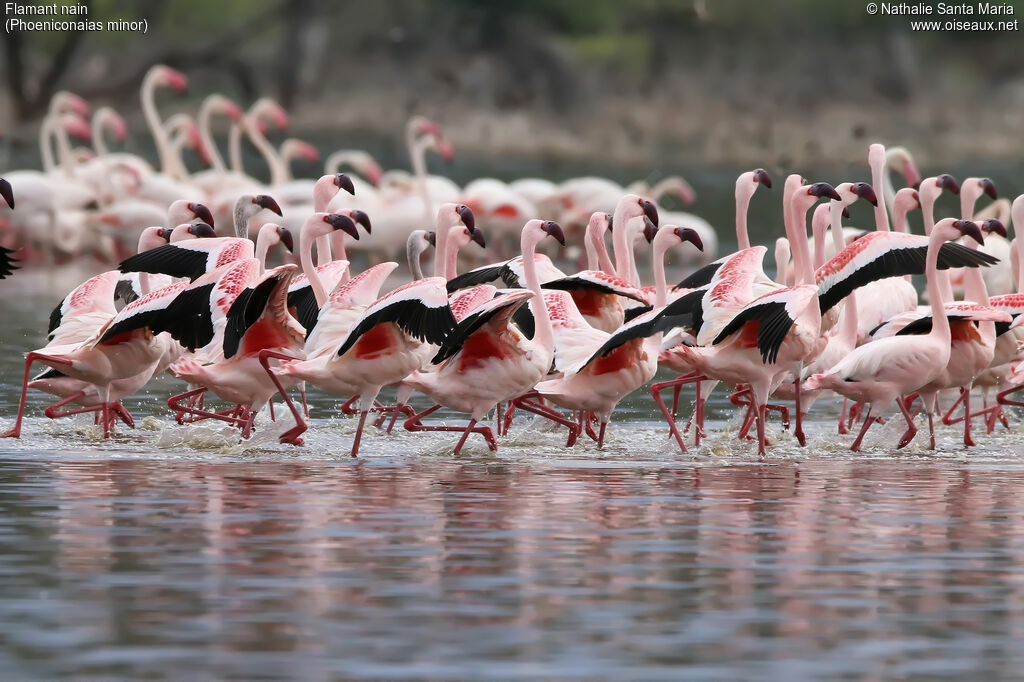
(762, 415)
(293, 434)
(415, 423)
(868, 421)
(931, 427)
(600, 437)
(359, 434)
(842, 418)
(15, 431)
(548, 413)
(670, 418)
(302, 394)
(966, 393)
(174, 402)
(798, 429)
(675, 399)
(911, 431)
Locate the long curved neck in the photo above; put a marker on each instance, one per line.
(797, 234)
(660, 285)
(176, 164)
(99, 144)
(819, 223)
(451, 258)
(278, 174)
(597, 252)
(262, 247)
(543, 334)
(203, 121)
(943, 285)
(64, 154)
(154, 122)
(417, 156)
(46, 142)
(742, 206)
(877, 180)
(235, 147)
(241, 221)
(441, 248)
(337, 246)
(412, 254)
(940, 324)
(308, 269)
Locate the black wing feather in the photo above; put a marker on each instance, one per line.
(700, 278)
(775, 324)
(186, 318)
(125, 291)
(168, 260)
(303, 300)
(426, 323)
(484, 275)
(469, 325)
(7, 262)
(630, 314)
(244, 312)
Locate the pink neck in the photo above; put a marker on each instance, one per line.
(881, 214)
(940, 325)
(742, 207)
(819, 222)
(543, 334)
(306, 260)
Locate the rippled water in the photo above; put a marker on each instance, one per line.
(173, 552)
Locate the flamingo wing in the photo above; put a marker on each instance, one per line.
(94, 295)
(485, 274)
(190, 258)
(267, 299)
(7, 262)
(958, 311)
(880, 255)
(775, 312)
(644, 326)
(597, 280)
(497, 310)
(301, 297)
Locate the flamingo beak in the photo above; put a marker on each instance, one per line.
(344, 182)
(286, 239)
(7, 192)
(431, 238)
(761, 176)
(823, 189)
(554, 230)
(970, 229)
(611, 223)
(266, 201)
(992, 225)
(650, 229)
(201, 230)
(201, 212)
(865, 192)
(164, 233)
(466, 215)
(478, 237)
(948, 183)
(989, 188)
(361, 218)
(445, 149)
(340, 221)
(687, 234)
(650, 210)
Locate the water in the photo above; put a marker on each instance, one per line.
(174, 552)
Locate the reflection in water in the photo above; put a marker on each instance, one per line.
(441, 569)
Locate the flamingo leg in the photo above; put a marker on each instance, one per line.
(762, 415)
(359, 433)
(676, 390)
(15, 431)
(415, 423)
(293, 434)
(600, 436)
(798, 428)
(302, 394)
(868, 421)
(548, 413)
(842, 418)
(669, 417)
(965, 391)
(911, 431)
(174, 402)
(53, 411)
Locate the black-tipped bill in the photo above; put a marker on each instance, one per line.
(431, 238)
(865, 192)
(361, 218)
(993, 226)
(989, 188)
(201, 230)
(687, 234)
(650, 229)
(650, 210)
(268, 202)
(340, 221)
(286, 238)
(761, 176)
(344, 182)
(478, 237)
(466, 216)
(969, 229)
(948, 183)
(823, 189)
(553, 229)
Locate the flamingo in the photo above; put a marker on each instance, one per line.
(879, 372)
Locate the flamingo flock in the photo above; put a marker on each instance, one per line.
(840, 316)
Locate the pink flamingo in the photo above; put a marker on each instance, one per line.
(879, 372)
(487, 361)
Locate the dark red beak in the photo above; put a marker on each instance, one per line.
(948, 183)
(361, 218)
(478, 237)
(432, 238)
(611, 223)
(286, 238)
(164, 233)
(650, 210)
(865, 192)
(201, 231)
(554, 230)
(7, 192)
(201, 212)
(969, 229)
(266, 201)
(650, 230)
(823, 189)
(687, 234)
(989, 188)
(340, 221)
(994, 226)
(467, 216)
(345, 182)
(761, 176)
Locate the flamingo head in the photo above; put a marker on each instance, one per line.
(341, 221)
(278, 115)
(201, 230)
(164, 233)
(686, 234)
(115, 123)
(266, 201)
(553, 229)
(992, 225)
(201, 212)
(306, 151)
(761, 177)
(823, 189)
(171, 78)
(76, 125)
(359, 218)
(7, 192)
(229, 108)
(285, 235)
(989, 188)
(948, 183)
(466, 216)
(344, 182)
(445, 149)
(862, 190)
(968, 228)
